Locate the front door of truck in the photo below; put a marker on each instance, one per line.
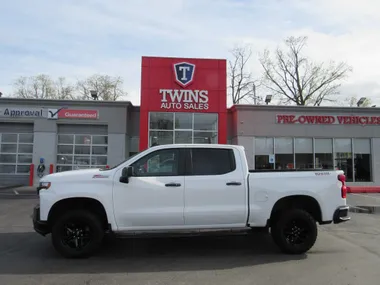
(215, 189)
(154, 195)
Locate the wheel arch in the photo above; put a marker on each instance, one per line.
(84, 203)
(303, 202)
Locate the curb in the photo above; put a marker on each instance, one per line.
(355, 209)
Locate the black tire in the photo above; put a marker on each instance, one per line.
(66, 227)
(295, 231)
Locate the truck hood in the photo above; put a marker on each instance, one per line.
(72, 175)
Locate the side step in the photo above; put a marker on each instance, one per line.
(187, 233)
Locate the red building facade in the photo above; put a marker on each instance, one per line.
(183, 100)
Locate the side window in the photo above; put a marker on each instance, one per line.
(159, 163)
(210, 161)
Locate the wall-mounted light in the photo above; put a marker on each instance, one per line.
(94, 94)
(361, 101)
(268, 98)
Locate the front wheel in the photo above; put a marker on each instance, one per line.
(295, 231)
(77, 234)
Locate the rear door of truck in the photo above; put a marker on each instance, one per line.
(215, 188)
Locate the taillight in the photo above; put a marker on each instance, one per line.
(342, 178)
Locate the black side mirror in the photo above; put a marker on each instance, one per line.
(125, 174)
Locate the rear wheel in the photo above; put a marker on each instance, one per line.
(295, 231)
(77, 234)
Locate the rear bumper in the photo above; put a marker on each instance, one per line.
(39, 226)
(341, 215)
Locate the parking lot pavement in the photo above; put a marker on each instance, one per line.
(18, 193)
(344, 254)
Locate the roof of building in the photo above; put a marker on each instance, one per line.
(101, 103)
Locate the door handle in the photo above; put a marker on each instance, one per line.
(173, 184)
(233, 183)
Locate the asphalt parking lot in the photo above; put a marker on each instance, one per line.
(344, 254)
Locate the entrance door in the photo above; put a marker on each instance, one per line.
(215, 194)
(154, 196)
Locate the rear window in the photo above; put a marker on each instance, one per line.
(210, 161)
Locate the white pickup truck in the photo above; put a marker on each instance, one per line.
(185, 188)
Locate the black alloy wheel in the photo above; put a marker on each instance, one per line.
(77, 234)
(295, 231)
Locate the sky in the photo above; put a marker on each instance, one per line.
(76, 39)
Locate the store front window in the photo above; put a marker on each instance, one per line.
(16, 153)
(304, 158)
(362, 160)
(169, 128)
(353, 156)
(323, 153)
(81, 151)
(284, 153)
(343, 157)
(263, 149)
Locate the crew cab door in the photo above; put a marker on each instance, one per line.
(215, 188)
(153, 197)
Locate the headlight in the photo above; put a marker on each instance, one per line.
(44, 185)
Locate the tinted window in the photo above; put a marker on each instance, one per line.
(158, 163)
(207, 161)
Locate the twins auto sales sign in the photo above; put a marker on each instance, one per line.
(183, 85)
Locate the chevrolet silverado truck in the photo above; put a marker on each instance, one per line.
(182, 189)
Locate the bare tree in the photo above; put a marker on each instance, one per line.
(36, 87)
(108, 88)
(43, 87)
(294, 79)
(242, 87)
(64, 90)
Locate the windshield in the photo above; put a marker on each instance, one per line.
(117, 165)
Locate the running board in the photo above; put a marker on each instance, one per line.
(184, 233)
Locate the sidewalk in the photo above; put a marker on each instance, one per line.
(364, 203)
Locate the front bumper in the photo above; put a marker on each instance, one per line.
(341, 215)
(39, 226)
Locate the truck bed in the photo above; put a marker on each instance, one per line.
(290, 170)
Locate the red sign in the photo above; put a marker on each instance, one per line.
(78, 114)
(328, 119)
(183, 85)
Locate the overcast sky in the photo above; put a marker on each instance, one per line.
(78, 38)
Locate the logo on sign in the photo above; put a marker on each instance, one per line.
(53, 114)
(184, 73)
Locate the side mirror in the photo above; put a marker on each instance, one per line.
(125, 174)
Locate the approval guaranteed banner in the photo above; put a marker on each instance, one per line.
(48, 113)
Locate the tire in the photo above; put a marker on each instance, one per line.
(68, 225)
(295, 231)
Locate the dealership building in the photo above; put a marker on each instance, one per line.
(183, 100)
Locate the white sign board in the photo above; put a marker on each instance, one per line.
(271, 158)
